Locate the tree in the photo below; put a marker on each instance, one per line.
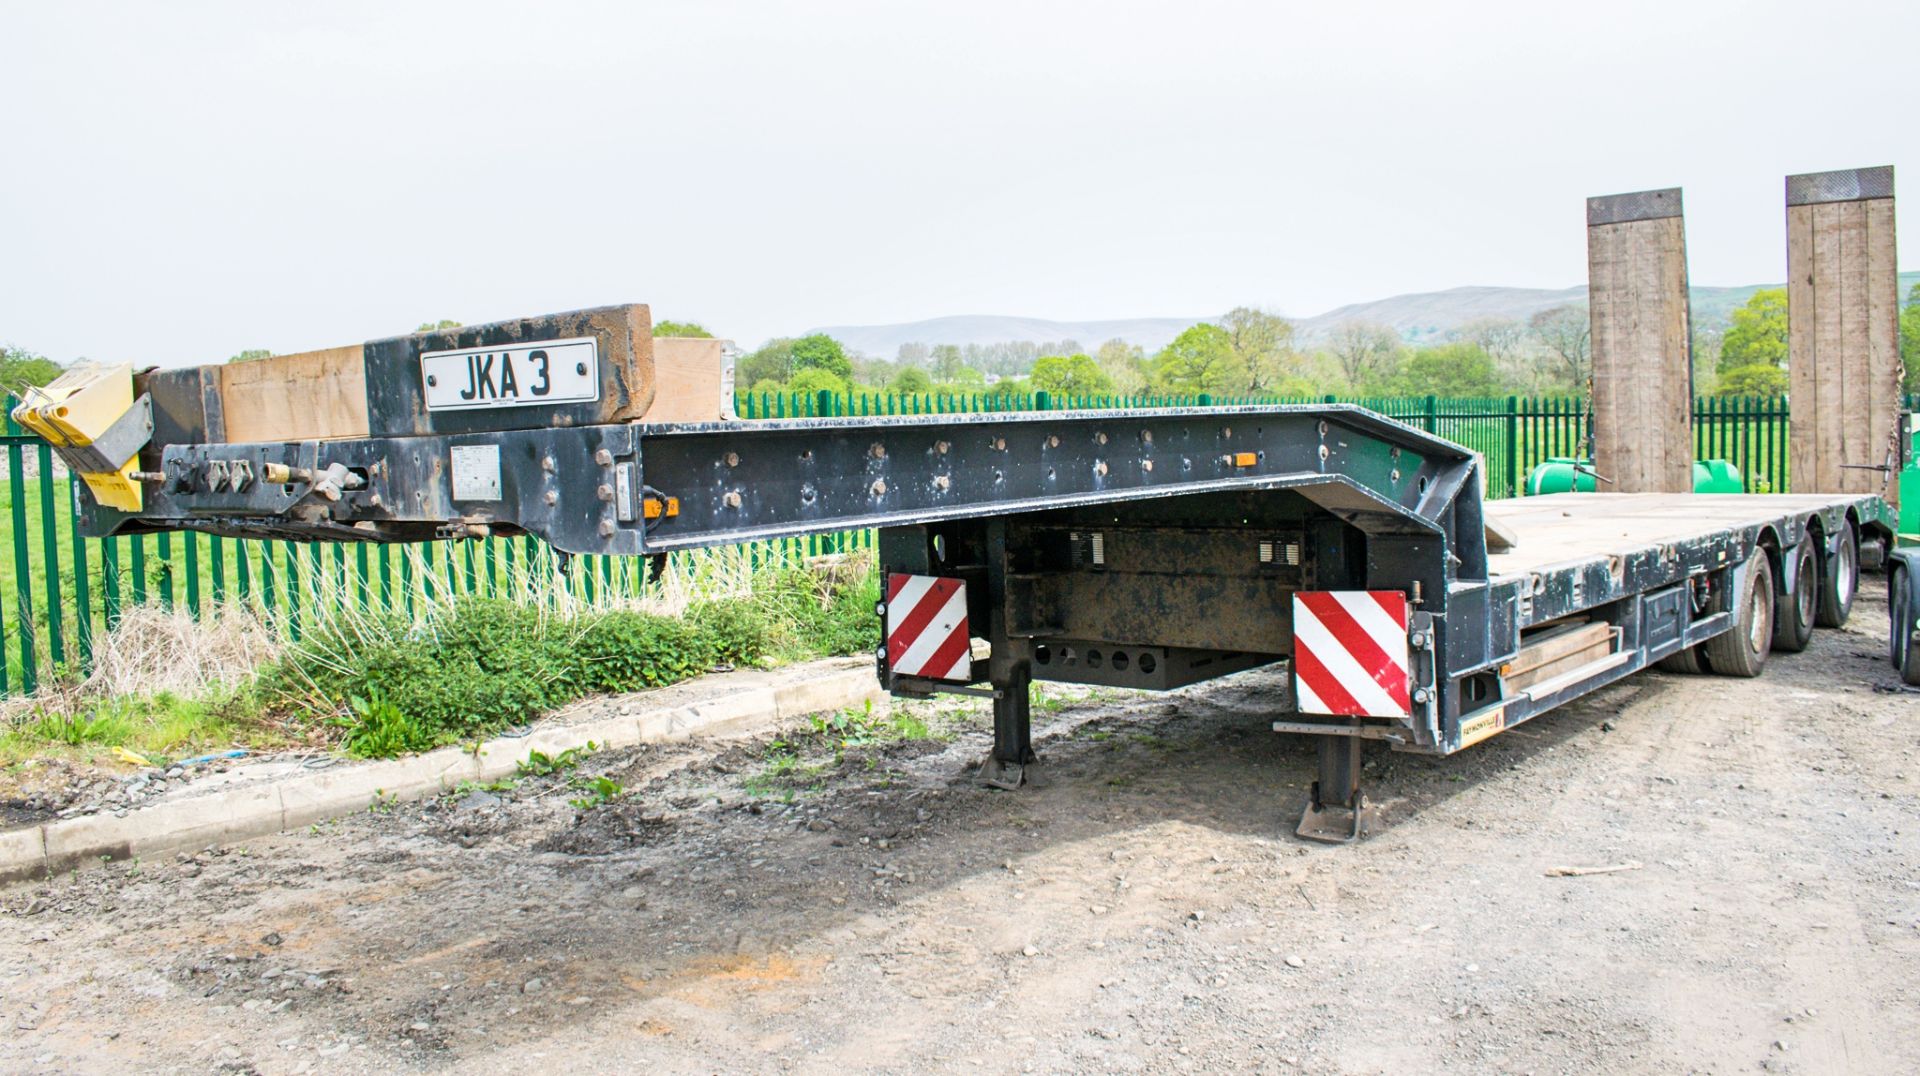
(1125, 366)
(21, 369)
(1567, 332)
(681, 328)
(816, 379)
(1757, 333)
(946, 362)
(870, 371)
(1070, 375)
(1263, 342)
(911, 355)
(1500, 338)
(1200, 359)
(772, 361)
(822, 352)
(911, 379)
(1456, 369)
(1755, 379)
(1910, 338)
(968, 379)
(252, 354)
(1365, 350)
(436, 326)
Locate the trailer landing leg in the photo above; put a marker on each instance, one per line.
(1336, 809)
(1006, 765)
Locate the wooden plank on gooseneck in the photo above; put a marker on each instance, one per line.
(312, 396)
(1843, 313)
(688, 376)
(1642, 373)
(377, 390)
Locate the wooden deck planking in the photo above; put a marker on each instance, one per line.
(1567, 528)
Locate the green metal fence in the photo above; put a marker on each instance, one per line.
(59, 592)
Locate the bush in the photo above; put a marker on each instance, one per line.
(627, 651)
(737, 630)
(1757, 379)
(477, 665)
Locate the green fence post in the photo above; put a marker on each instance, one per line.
(1513, 446)
(217, 561)
(163, 549)
(192, 542)
(386, 574)
(22, 566)
(82, 586)
(50, 541)
(269, 600)
(110, 579)
(290, 571)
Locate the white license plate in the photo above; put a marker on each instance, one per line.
(541, 372)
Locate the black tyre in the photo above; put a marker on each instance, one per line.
(1686, 662)
(1793, 615)
(1904, 638)
(1839, 579)
(1742, 649)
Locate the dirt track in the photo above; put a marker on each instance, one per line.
(1144, 908)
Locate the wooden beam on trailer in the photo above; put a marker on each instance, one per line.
(380, 389)
(1843, 318)
(1642, 349)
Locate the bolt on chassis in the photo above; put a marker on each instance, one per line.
(1132, 548)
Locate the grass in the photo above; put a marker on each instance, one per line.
(161, 729)
(382, 683)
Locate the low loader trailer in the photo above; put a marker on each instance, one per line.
(1131, 548)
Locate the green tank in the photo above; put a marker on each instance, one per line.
(1564, 474)
(1910, 485)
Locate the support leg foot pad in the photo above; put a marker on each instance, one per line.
(996, 772)
(1335, 824)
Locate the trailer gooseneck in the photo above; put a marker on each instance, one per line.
(1146, 549)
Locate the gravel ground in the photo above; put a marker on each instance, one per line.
(1144, 907)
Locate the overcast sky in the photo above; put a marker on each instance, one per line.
(186, 180)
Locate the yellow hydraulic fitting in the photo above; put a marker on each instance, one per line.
(91, 418)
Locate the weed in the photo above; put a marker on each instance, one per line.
(379, 729)
(858, 728)
(541, 764)
(465, 788)
(600, 791)
(383, 803)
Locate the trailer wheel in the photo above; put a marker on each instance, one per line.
(1685, 661)
(1742, 649)
(1904, 637)
(1793, 618)
(1839, 579)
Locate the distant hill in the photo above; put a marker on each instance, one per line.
(1420, 317)
(883, 341)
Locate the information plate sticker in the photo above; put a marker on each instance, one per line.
(476, 472)
(520, 375)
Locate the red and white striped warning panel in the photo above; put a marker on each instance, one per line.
(927, 627)
(1350, 652)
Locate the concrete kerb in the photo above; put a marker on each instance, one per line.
(289, 803)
